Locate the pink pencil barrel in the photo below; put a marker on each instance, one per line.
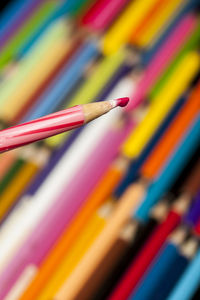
(41, 128)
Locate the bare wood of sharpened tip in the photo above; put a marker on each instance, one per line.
(178, 236)
(103, 243)
(189, 248)
(92, 111)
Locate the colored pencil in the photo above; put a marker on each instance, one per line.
(82, 242)
(53, 124)
(10, 49)
(118, 250)
(6, 162)
(39, 73)
(146, 22)
(172, 136)
(170, 172)
(136, 165)
(87, 237)
(57, 218)
(194, 212)
(162, 58)
(59, 178)
(109, 210)
(150, 250)
(176, 85)
(159, 22)
(187, 253)
(22, 178)
(62, 85)
(92, 86)
(124, 26)
(103, 243)
(100, 193)
(23, 68)
(189, 281)
(17, 20)
(157, 215)
(102, 13)
(160, 267)
(190, 44)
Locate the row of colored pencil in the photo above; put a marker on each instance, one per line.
(111, 210)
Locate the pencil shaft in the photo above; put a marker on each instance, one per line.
(44, 127)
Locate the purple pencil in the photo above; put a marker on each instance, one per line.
(194, 212)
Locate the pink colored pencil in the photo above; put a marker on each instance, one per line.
(162, 60)
(55, 123)
(102, 13)
(66, 205)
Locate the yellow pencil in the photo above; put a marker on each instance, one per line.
(170, 93)
(125, 25)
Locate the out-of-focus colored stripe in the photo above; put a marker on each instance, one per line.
(17, 184)
(170, 172)
(6, 161)
(47, 62)
(176, 85)
(62, 84)
(174, 133)
(31, 60)
(18, 18)
(191, 44)
(158, 23)
(124, 26)
(99, 194)
(74, 256)
(10, 50)
(92, 86)
(162, 58)
(101, 14)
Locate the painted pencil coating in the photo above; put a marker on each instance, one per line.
(41, 128)
(55, 123)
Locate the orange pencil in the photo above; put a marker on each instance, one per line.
(100, 193)
(174, 133)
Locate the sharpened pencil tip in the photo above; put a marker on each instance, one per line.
(119, 102)
(122, 101)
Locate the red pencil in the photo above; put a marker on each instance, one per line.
(140, 264)
(55, 123)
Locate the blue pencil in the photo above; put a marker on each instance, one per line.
(189, 281)
(176, 270)
(64, 82)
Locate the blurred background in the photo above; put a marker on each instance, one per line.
(111, 210)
